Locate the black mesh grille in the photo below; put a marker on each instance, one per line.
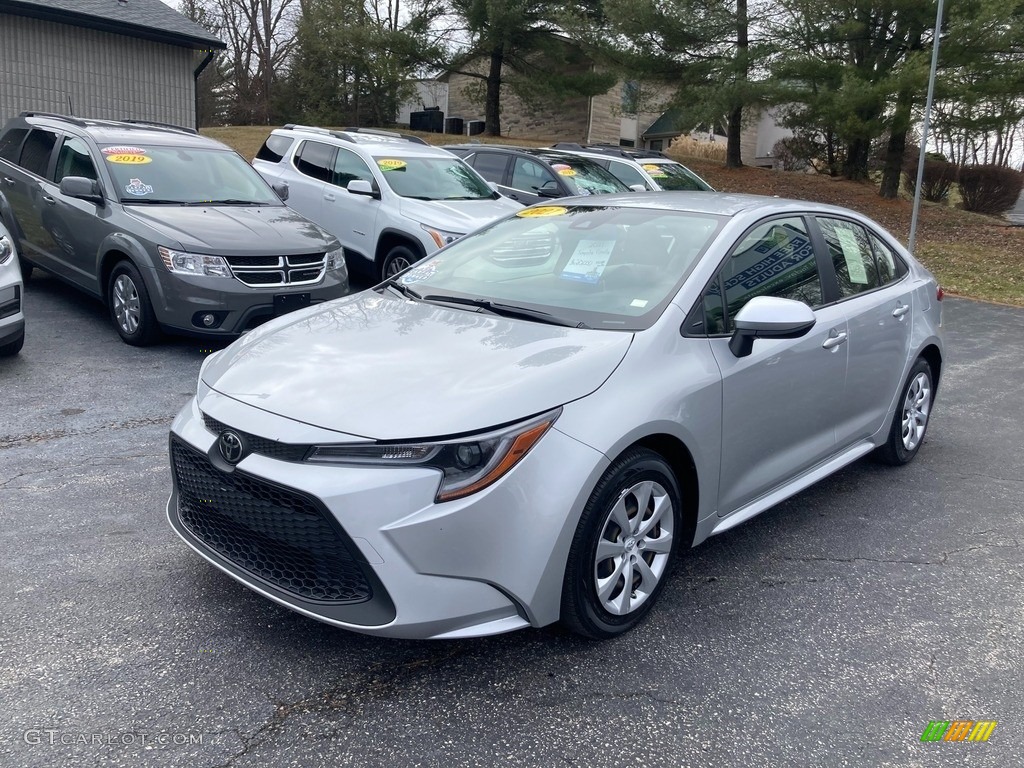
(254, 261)
(303, 275)
(261, 445)
(316, 259)
(274, 533)
(261, 278)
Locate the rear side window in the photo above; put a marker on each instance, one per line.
(35, 154)
(491, 166)
(274, 148)
(890, 266)
(850, 252)
(11, 143)
(315, 160)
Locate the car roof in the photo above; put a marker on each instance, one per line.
(121, 131)
(541, 152)
(714, 203)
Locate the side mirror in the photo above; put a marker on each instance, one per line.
(82, 188)
(638, 188)
(493, 186)
(362, 187)
(769, 317)
(281, 189)
(549, 189)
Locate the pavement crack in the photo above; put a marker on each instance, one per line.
(92, 461)
(791, 558)
(13, 441)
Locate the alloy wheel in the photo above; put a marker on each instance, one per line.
(916, 406)
(127, 308)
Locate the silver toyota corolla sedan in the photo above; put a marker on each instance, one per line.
(532, 425)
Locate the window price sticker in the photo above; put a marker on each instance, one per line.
(587, 263)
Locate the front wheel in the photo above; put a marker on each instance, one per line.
(624, 545)
(910, 421)
(397, 259)
(130, 308)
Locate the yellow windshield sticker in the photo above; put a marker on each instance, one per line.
(129, 159)
(544, 210)
(391, 164)
(656, 171)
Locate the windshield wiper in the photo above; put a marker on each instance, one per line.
(505, 310)
(405, 290)
(151, 201)
(226, 201)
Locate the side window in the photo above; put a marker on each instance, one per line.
(315, 160)
(890, 266)
(74, 160)
(491, 166)
(627, 174)
(349, 167)
(775, 259)
(714, 310)
(274, 148)
(529, 175)
(850, 252)
(35, 153)
(11, 143)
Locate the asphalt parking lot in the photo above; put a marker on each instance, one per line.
(828, 631)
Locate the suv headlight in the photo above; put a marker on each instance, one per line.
(181, 263)
(336, 260)
(6, 249)
(468, 465)
(442, 237)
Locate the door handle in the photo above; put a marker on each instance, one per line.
(329, 197)
(901, 310)
(49, 200)
(835, 338)
(8, 181)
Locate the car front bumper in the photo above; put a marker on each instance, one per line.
(409, 567)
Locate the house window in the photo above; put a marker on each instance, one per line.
(657, 145)
(627, 143)
(630, 97)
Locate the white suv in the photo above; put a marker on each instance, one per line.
(12, 317)
(390, 199)
(638, 168)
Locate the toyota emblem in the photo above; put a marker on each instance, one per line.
(230, 445)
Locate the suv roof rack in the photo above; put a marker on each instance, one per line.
(344, 134)
(609, 149)
(389, 134)
(67, 118)
(154, 123)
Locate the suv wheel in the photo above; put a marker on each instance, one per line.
(398, 258)
(130, 308)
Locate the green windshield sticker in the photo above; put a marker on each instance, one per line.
(391, 164)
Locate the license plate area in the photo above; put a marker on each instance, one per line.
(289, 302)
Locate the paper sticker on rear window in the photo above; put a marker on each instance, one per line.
(852, 255)
(587, 263)
(391, 164)
(129, 159)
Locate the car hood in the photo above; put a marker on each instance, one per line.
(230, 230)
(462, 216)
(385, 368)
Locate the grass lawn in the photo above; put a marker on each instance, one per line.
(972, 255)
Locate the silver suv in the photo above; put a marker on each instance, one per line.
(391, 199)
(640, 169)
(171, 230)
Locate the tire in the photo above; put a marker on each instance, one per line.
(397, 259)
(595, 602)
(130, 308)
(11, 348)
(910, 422)
(26, 270)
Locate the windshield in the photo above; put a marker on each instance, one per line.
(599, 267)
(676, 177)
(184, 176)
(588, 178)
(433, 178)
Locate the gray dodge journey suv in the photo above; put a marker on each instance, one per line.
(173, 231)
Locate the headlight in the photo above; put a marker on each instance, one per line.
(442, 237)
(468, 465)
(336, 260)
(181, 263)
(6, 250)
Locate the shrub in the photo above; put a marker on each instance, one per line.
(938, 178)
(990, 189)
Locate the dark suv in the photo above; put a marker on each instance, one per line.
(532, 175)
(170, 229)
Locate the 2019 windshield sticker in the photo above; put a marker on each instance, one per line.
(655, 171)
(137, 188)
(391, 164)
(544, 210)
(563, 169)
(129, 159)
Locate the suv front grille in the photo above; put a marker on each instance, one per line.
(278, 535)
(302, 269)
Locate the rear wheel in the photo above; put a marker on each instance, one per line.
(910, 421)
(624, 546)
(130, 308)
(398, 258)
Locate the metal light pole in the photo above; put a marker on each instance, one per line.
(924, 128)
